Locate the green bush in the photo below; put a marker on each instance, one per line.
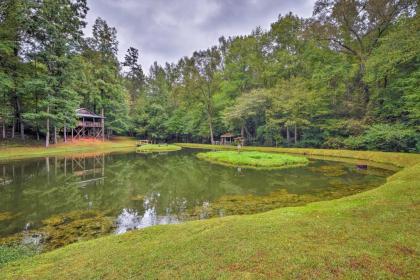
(385, 137)
(333, 143)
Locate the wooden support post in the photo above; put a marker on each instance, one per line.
(102, 124)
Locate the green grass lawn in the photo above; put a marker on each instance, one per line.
(24, 151)
(253, 159)
(158, 148)
(370, 235)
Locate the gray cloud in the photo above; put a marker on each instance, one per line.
(165, 30)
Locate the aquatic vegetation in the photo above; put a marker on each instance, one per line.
(329, 170)
(137, 197)
(250, 204)
(64, 229)
(6, 216)
(253, 159)
(158, 148)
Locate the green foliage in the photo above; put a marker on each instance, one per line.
(303, 82)
(385, 137)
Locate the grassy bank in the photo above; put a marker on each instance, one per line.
(397, 159)
(16, 152)
(253, 159)
(370, 235)
(150, 148)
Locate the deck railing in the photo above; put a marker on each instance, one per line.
(89, 124)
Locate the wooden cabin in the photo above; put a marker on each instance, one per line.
(89, 125)
(227, 139)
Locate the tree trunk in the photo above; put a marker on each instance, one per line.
(288, 135)
(211, 132)
(295, 134)
(65, 134)
(55, 135)
(22, 130)
(3, 134)
(47, 135)
(37, 133)
(19, 117)
(13, 128)
(242, 131)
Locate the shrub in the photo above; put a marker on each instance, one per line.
(333, 143)
(385, 137)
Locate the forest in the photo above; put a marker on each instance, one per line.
(348, 77)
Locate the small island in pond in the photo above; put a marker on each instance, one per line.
(253, 159)
(150, 148)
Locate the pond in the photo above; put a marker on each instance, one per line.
(54, 201)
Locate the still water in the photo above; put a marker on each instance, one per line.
(59, 200)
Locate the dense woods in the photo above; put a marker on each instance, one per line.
(348, 77)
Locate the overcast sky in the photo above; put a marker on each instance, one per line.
(166, 30)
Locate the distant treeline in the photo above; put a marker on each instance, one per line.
(348, 77)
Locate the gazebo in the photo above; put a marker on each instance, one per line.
(89, 125)
(226, 138)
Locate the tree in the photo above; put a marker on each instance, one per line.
(14, 28)
(110, 94)
(355, 27)
(203, 81)
(393, 71)
(58, 35)
(295, 105)
(247, 108)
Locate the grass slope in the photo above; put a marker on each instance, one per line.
(253, 159)
(370, 235)
(158, 148)
(66, 148)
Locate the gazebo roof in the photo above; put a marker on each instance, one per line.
(227, 135)
(82, 112)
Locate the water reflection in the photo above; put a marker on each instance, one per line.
(139, 190)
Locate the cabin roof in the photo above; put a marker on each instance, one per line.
(227, 135)
(82, 112)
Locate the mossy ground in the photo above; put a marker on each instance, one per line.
(253, 159)
(371, 235)
(150, 148)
